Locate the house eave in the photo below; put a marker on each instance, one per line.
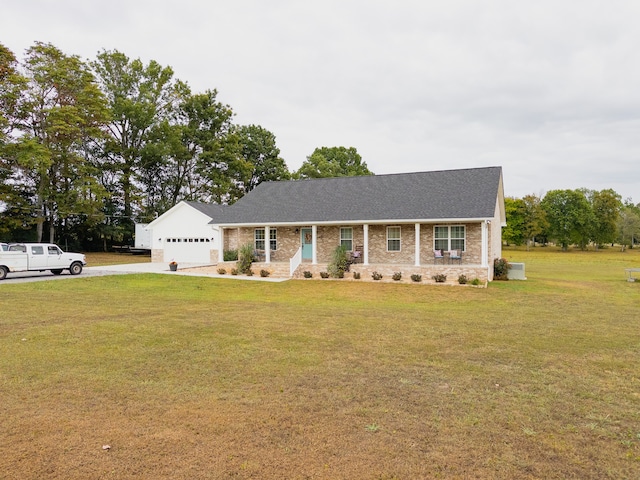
(393, 221)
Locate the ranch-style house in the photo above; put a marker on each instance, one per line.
(441, 222)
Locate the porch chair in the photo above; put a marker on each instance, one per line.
(438, 255)
(358, 254)
(455, 255)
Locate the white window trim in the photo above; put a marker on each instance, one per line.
(448, 227)
(262, 239)
(273, 238)
(347, 239)
(399, 238)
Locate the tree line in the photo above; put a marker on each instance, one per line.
(89, 148)
(579, 217)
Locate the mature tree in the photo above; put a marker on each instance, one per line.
(629, 224)
(515, 213)
(141, 97)
(200, 155)
(62, 110)
(569, 215)
(606, 205)
(12, 83)
(333, 162)
(14, 206)
(258, 148)
(224, 169)
(535, 220)
(212, 153)
(525, 220)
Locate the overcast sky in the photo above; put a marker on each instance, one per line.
(547, 89)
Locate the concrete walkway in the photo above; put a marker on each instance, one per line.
(185, 269)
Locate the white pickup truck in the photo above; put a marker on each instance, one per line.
(22, 257)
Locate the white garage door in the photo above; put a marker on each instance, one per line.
(187, 250)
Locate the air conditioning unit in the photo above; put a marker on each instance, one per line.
(516, 272)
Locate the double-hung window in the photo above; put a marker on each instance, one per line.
(259, 239)
(449, 237)
(393, 239)
(457, 237)
(346, 238)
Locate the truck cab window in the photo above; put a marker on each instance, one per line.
(37, 250)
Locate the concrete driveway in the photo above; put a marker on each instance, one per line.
(162, 268)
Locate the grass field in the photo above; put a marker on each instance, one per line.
(190, 377)
(99, 258)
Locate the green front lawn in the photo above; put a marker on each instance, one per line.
(187, 377)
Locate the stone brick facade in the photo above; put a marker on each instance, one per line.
(452, 272)
(328, 238)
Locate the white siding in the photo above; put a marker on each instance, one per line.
(185, 235)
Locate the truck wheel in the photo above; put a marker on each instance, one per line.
(75, 268)
(3, 273)
(56, 271)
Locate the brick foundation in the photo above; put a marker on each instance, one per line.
(427, 271)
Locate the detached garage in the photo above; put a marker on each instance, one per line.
(184, 234)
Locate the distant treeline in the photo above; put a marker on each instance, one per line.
(572, 217)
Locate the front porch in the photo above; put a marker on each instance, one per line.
(409, 249)
(451, 271)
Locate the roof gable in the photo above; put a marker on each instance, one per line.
(445, 194)
(212, 211)
(209, 209)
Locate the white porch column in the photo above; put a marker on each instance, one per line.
(267, 244)
(220, 244)
(417, 251)
(485, 245)
(365, 245)
(314, 244)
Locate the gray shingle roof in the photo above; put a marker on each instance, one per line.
(211, 210)
(447, 194)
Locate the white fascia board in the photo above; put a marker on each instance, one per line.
(355, 222)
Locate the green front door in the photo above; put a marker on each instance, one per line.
(306, 238)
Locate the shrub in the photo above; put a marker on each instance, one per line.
(324, 274)
(230, 255)
(440, 278)
(245, 258)
(249, 273)
(501, 268)
(307, 274)
(462, 279)
(356, 275)
(397, 276)
(339, 263)
(476, 282)
(416, 277)
(376, 276)
(265, 273)
(222, 271)
(234, 271)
